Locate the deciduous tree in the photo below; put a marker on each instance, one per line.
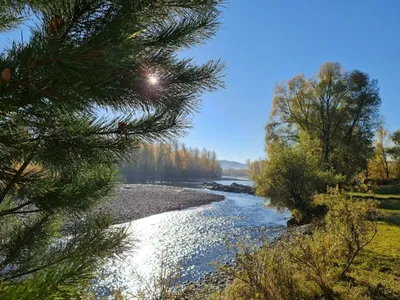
(381, 165)
(338, 109)
(176, 162)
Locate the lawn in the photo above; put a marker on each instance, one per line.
(379, 263)
(393, 190)
(375, 195)
(381, 192)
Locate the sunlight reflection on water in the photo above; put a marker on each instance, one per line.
(191, 238)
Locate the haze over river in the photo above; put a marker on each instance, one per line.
(192, 238)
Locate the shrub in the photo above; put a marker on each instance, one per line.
(290, 178)
(308, 266)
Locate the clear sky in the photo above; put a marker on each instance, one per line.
(266, 42)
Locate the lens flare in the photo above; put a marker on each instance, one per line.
(153, 80)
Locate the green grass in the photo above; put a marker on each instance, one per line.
(379, 263)
(393, 190)
(374, 195)
(380, 193)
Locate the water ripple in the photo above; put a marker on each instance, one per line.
(191, 238)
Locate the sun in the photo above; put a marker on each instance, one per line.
(153, 80)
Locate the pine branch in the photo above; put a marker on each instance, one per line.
(16, 177)
(15, 209)
(83, 55)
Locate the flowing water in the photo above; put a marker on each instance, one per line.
(191, 239)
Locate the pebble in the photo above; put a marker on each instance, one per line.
(135, 201)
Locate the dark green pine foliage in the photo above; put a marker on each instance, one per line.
(57, 157)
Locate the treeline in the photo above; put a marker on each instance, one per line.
(166, 162)
(254, 168)
(235, 172)
(385, 163)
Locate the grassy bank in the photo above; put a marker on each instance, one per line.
(379, 263)
(375, 274)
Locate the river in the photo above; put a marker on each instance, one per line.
(191, 238)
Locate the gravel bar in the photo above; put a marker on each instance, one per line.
(136, 201)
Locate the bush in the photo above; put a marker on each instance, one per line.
(308, 266)
(290, 178)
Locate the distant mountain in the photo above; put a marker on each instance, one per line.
(226, 164)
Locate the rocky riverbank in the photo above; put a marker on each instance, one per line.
(233, 188)
(136, 201)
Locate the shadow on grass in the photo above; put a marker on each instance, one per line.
(390, 210)
(382, 293)
(378, 273)
(390, 217)
(388, 190)
(371, 260)
(392, 204)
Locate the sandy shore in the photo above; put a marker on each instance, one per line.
(135, 201)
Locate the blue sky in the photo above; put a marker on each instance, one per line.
(267, 42)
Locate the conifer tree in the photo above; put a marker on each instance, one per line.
(57, 156)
